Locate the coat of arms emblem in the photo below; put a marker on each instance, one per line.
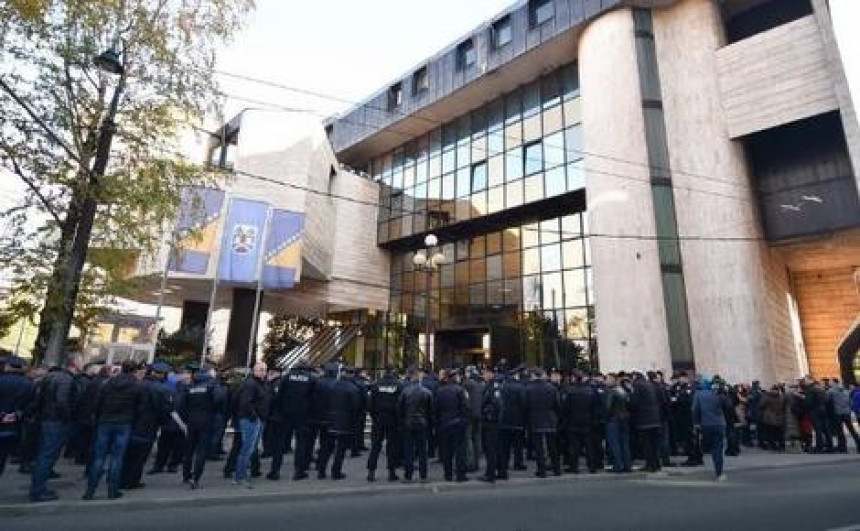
(244, 238)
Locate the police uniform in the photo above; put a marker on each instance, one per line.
(197, 406)
(384, 396)
(294, 405)
(491, 412)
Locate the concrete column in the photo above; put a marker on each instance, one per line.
(630, 312)
(736, 290)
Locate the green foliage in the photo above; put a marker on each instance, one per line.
(181, 347)
(286, 332)
(47, 49)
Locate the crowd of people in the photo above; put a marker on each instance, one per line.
(483, 421)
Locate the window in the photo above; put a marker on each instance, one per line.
(467, 55)
(501, 32)
(479, 176)
(420, 81)
(533, 157)
(540, 11)
(395, 96)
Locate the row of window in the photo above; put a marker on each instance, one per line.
(501, 34)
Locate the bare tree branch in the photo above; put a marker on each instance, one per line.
(31, 185)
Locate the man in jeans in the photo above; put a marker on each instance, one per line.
(618, 425)
(710, 408)
(252, 406)
(115, 409)
(54, 397)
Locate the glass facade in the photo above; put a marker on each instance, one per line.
(518, 288)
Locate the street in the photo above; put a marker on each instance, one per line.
(813, 498)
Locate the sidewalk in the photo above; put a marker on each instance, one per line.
(166, 490)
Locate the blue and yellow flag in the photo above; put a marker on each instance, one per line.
(283, 258)
(196, 229)
(243, 236)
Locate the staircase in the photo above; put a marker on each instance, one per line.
(322, 348)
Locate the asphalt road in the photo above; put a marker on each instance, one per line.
(810, 498)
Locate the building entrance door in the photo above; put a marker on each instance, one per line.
(459, 348)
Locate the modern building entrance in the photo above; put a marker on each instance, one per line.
(462, 347)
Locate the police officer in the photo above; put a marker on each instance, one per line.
(382, 404)
(491, 412)
(681, 396)
(344, 407)
(362, 382)
(599, 420)
(513, 423)
(153, 410)
(580, 401)
(54, 399)
(274, 426)
(319, 420)
(197, 405)
(452, 412)
(542, 407)
(416, 410)
(171, 441)
(15, 391)
(294, 404)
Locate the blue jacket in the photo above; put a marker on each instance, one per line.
(709, 408)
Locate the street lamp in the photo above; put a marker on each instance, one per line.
(428, 260)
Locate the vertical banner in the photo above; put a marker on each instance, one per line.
(240, 246)
(283, 258)
(196, 229)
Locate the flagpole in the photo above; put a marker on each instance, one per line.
(214, 292)
(261, 260)
(170, 250)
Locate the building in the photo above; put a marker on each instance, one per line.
(614, 184)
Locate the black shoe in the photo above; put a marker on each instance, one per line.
(115, 495)
(47, 497)
(321, 474)
(172, 469)
(407, 479)
(540, 474)
(449, 479)
(54, 475)
(88, 496)
(298, 476)
(502, 477)
(25, 469)
(462, 479)
(271, 476)
(371, 476)
(486, 479)
(338, 476)
(556, 472)
(392, 476)
(520, 467)
(154, 471)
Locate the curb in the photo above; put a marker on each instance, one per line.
(700, 471)
(252, 498)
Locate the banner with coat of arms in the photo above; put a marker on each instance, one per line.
(242, 241)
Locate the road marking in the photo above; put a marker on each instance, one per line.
(846, 528)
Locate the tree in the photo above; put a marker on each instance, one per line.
(286, 332)
(52, 125)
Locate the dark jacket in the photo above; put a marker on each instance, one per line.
(55, 396)
(601, 413)
(153, 409)
(475, 389)
(452, 408)
(382, 404)
(252, 400)
(513, 405)
(645, 405)
(14, 394)
(580, 402)
(710, 408)
(295, 395)
(416, 405)
(344, 407)
(617, 404)
(118, 400)
(198, 402)
(491, 403)
(542, 406)
(320, 400)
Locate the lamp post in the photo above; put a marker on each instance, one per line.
(109, 62)
(428, 260)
